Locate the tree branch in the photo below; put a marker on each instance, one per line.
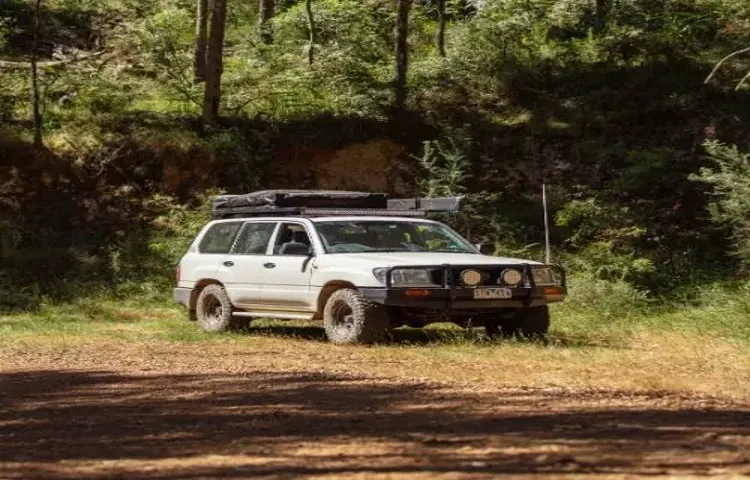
(55, 63)
(721, 62)
(742, 82)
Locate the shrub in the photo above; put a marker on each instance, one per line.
(730, 179)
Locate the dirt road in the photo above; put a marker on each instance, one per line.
(161, 412)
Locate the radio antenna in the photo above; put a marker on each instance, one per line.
(547, 254)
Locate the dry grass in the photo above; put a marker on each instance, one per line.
(646, 360)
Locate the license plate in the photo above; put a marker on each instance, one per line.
(492, 293)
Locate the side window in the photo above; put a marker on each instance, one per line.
(290, 234)
(253, 239)
(219, 238)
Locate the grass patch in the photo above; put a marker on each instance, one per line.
(103, 318)
(609, 323)
(700, 348)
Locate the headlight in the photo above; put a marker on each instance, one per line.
(545, 276)
(406, 277)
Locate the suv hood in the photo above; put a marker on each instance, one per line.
(393, 259)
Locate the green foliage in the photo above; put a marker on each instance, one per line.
(165, 43)
(445, 167)
(607, 300)
(175, 225)
(246, 154)
(14, 297)
(730, 179)
(604, 239)
(5, 25)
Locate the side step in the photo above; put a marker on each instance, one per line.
(275, 314)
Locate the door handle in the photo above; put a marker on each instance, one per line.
(269, 265)
(229, 263)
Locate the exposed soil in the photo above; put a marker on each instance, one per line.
(147, 411)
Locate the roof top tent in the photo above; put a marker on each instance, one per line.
(325, 203)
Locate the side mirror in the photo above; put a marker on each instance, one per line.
(485, 248)
(295, 248)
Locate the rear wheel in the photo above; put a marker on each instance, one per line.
(532, 323)
(214, 311)
(349, 317)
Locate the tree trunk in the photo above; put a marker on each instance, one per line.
(402, 51)
(311, 27)
(214, 63)
(265, 13)
(440, 35)
(36, 98)
(201, 37)
(600, 15)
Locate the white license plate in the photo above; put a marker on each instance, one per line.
(492, 293)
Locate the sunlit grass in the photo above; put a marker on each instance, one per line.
(573, 325)
(701, 349)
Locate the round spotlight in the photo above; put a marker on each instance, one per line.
(512, 277)
(471, 278)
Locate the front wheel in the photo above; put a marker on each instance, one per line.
(349, 317)
(531, 323)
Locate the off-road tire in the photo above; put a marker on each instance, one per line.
(530, 323)
(348, 317)
(214, 311)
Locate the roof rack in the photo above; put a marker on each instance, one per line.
(312, 203)
(315, 212)
(434, 204)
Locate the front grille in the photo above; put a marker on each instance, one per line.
(492, 276)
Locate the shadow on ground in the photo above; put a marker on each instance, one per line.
(82, 424)
(399, 336)
(406, 336)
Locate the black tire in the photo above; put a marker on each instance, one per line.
(214, 311)
(349, 317)
(531, 323)
(501, 328)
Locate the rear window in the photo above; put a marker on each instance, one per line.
(219, 237)
(254, 238)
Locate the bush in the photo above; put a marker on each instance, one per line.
(605, 239)
(16, 297)
(730, 179)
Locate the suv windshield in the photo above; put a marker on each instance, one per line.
(390, 236)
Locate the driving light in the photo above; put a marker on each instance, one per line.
(471, 278)
(512, 277)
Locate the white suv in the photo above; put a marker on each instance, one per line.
(359, 272)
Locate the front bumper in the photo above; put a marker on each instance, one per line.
(461, 298)
(453, 295)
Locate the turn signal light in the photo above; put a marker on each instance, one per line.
(416, 292)
(552, 291)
